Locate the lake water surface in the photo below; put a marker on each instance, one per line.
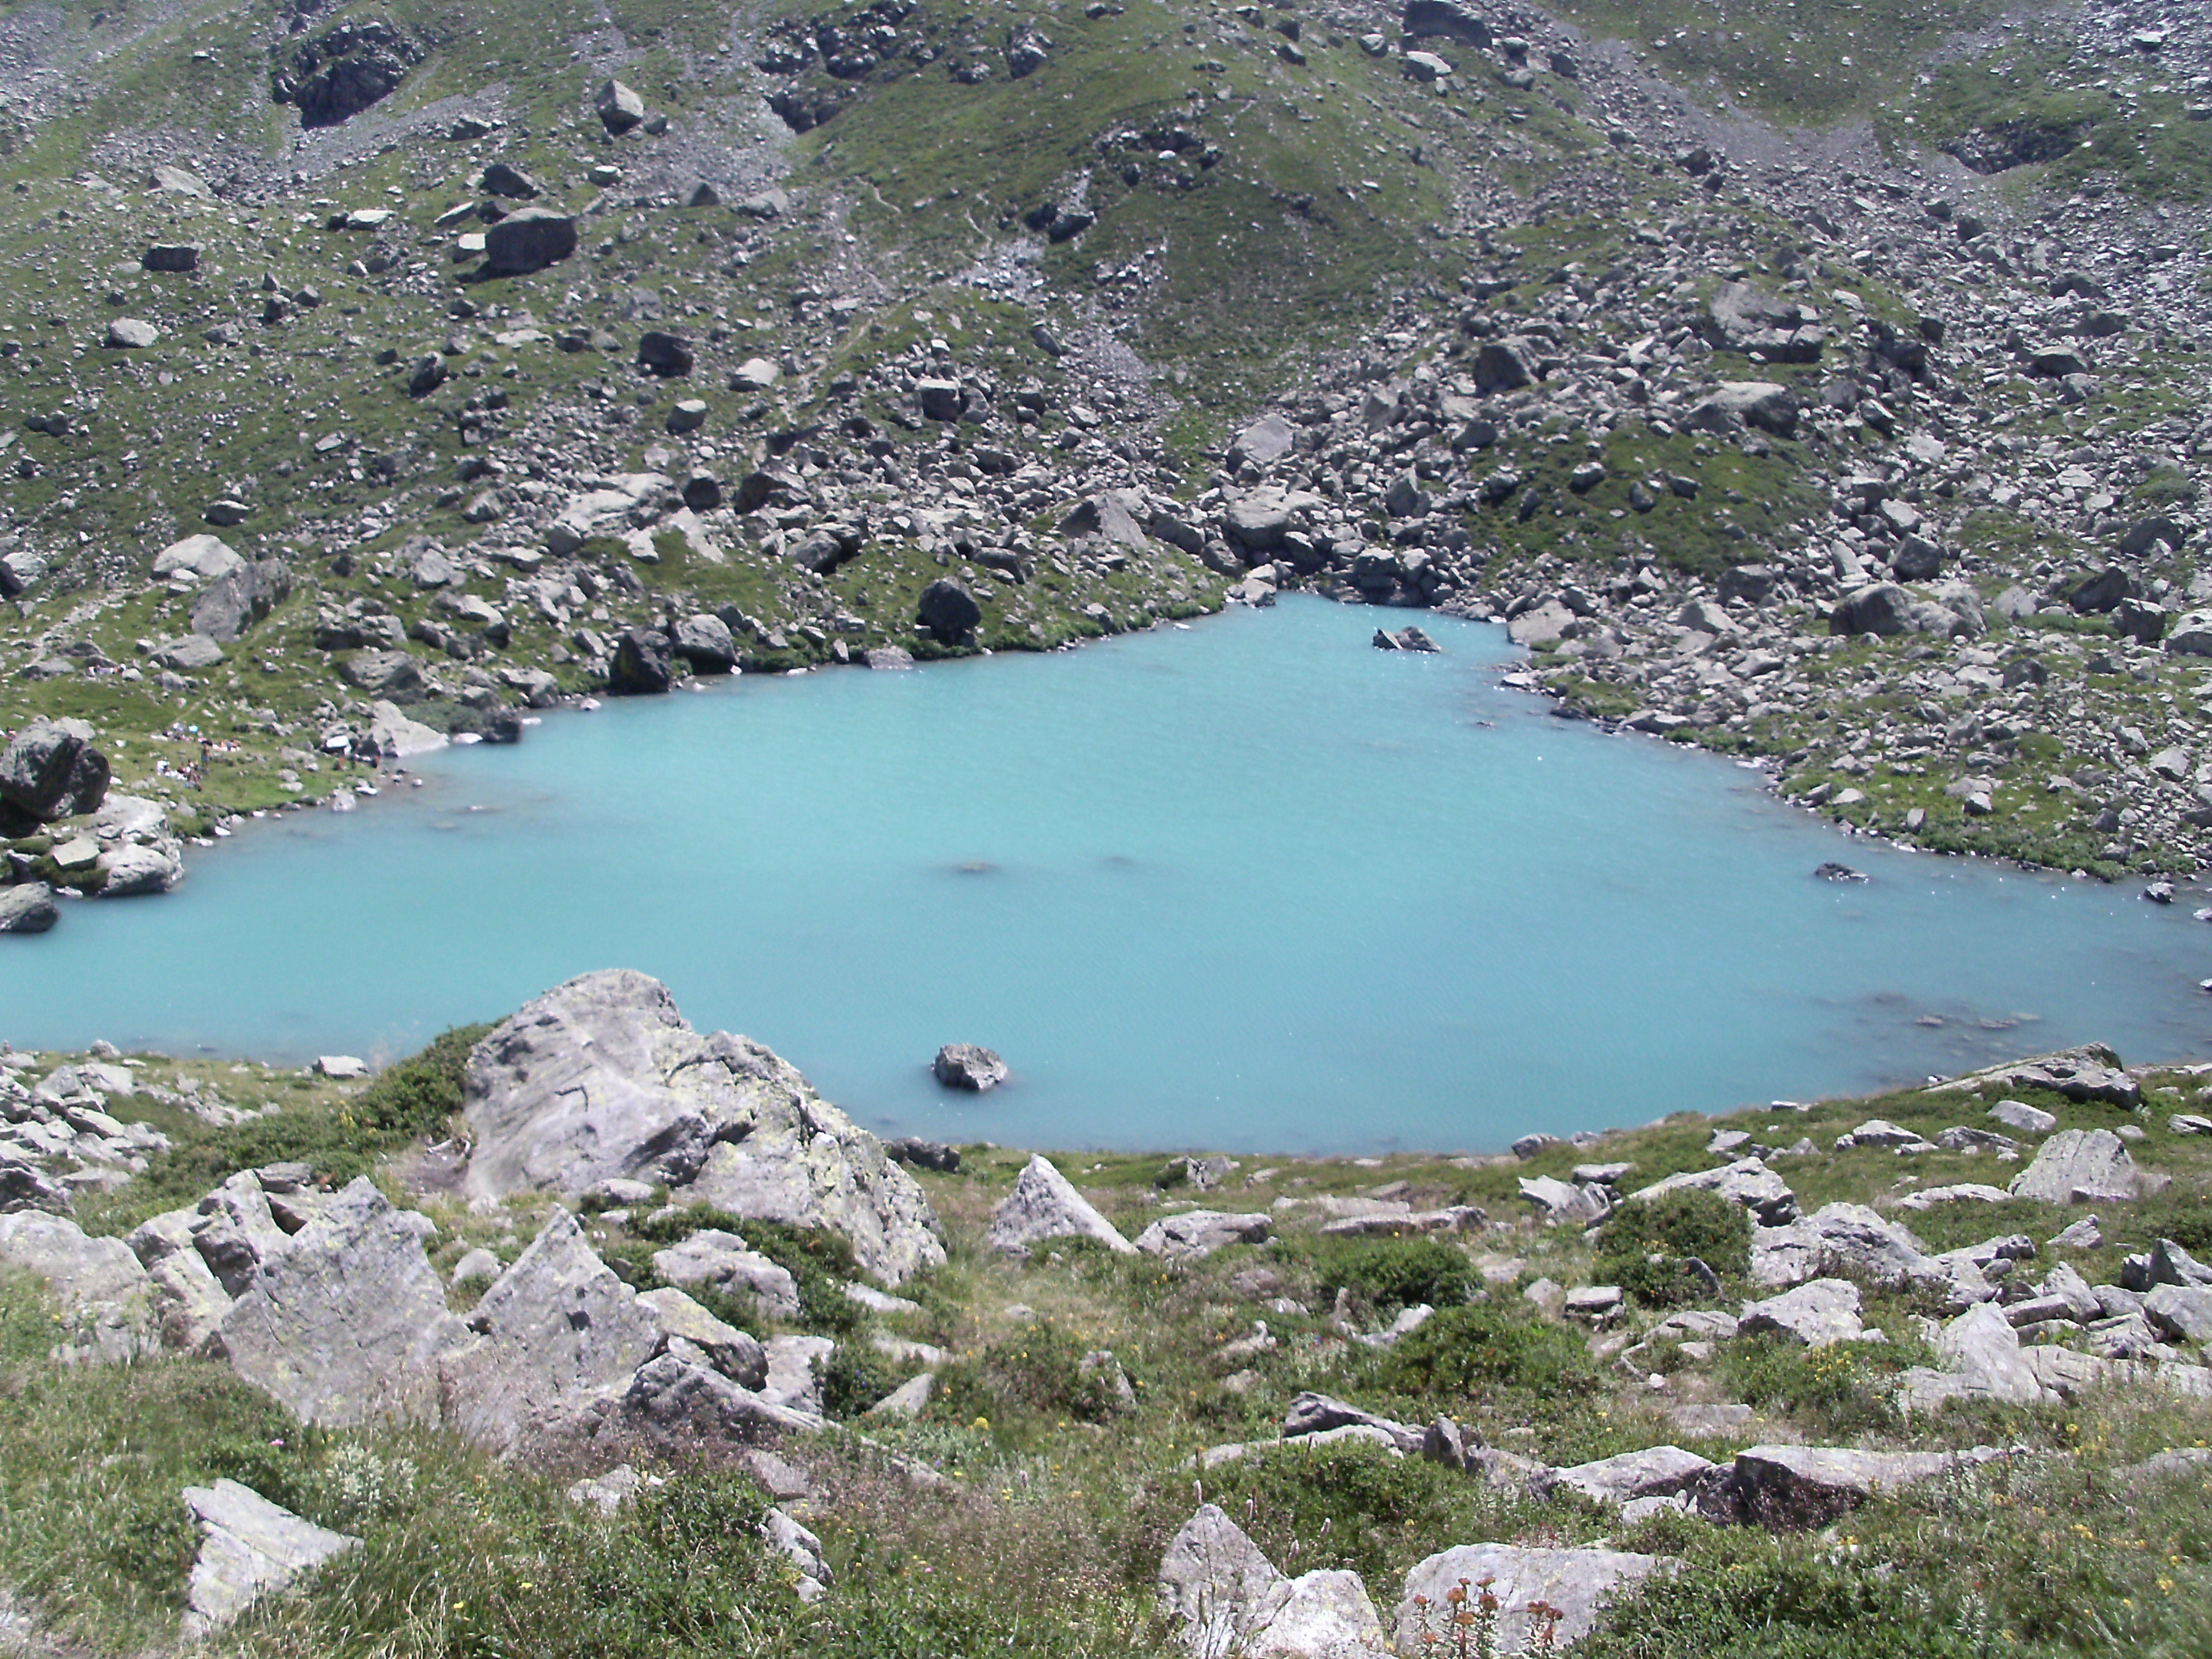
(1252, 886)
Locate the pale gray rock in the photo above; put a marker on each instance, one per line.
(1844, 1238)
(794, 1370)
(208, 557)
(136, 872)
(236, 1232)
(719, 1260)
(345, 1327)
(28, 907)
(2182, 1311)
(1045, 1206)
(1230, 1599)
(1824, 1311)
(909, 1399)
(801, 1547)
(2019, 1115)
(1580, 1582)
(969, 1065)
(1747, 1182)
(601, 1077)
(737, 1354)
(477, 1266)
(557, 1335)
(1564, 1201)
(106, 1300)
(1981, 1360)
(1198, 1233)
(249, 1548)
(1312, 1414)
(2080, 1166)
(1656, 1471)
(610, 1491)
(1734, 405)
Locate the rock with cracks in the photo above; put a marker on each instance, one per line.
(601, 1078)
(1045, 1206)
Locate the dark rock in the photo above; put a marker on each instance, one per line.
(618, 107)
(2144, 534)
(644, 662)
(1883, 608)
(428, 373)
(231, 604)
(171, 256)
(2140, 620)
(924, 1154)
(1917, 560)
(1406, 639)
(51, 770)
(1747, 583)
(702, 492)
(501, 179)
(949, 609)
(346, 70)
(1833, 871)
(528, 239)
(1499, 368)
(392, 675)
(966, 1065)
(669, 356)
(704, 641)
(2102, 592)
(1449, 18)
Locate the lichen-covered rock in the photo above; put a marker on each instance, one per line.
(557, 1334)
(1228, 1598)
(249, 1547)
(1197, 1233)
(346, 1325)
(2080, 1166)
(1787, 1488)
(601, 1077)
(721, 1261)
(1748, 1180)
(107, 1300)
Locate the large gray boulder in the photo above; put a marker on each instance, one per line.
(557, 1335)
(1228, 1598)
(51, 770)
(106, 1303)
(674, 1402)
(232, 603)
(189, 1300)
(737, 1354)
(1578, 1582)
(345, 1326)
(601, 1077)
(2080, 1166)
(204, 557)
(1043, 1206)
(249, 1548)
(1734, 405)
(1747, 1182)
(1880, 608)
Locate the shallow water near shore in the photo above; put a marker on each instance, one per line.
(1250, 885)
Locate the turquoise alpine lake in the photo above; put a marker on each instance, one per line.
(1248, 885)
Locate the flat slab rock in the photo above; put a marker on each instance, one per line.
(1197, 1233)
(602, 1079)
(1790, 1488)
(1656, 1471)
(249, 1547)
(1817, 1313)
(2091, 1072)
(1579, 1582)
(2083, 1166)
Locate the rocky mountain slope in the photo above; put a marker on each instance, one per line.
(1817, 384)
(442, 1361)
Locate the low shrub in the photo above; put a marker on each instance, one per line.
(1469, 1353)
(1390, 1273)
(1037, 1374)
(1644, 1245)
(853, 1377)
(1845, 1386)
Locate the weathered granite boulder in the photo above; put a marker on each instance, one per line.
(249, 1547)
(557, 1334)
(28, 907)
(189, 1300)
(1312, 1414)
(1852, 1239)
(1197, 1233)
(1748, 1180)
(1578, 1582)
(676, 1402)
(2080, 1166)
(737, 1354)
(107, 1301)
(528, 240)
(1043, 1206)
(346, 1325)
(721, 1261)
(1230, 1599)
(602, 1077)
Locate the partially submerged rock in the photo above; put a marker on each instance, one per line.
(601, 1077)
